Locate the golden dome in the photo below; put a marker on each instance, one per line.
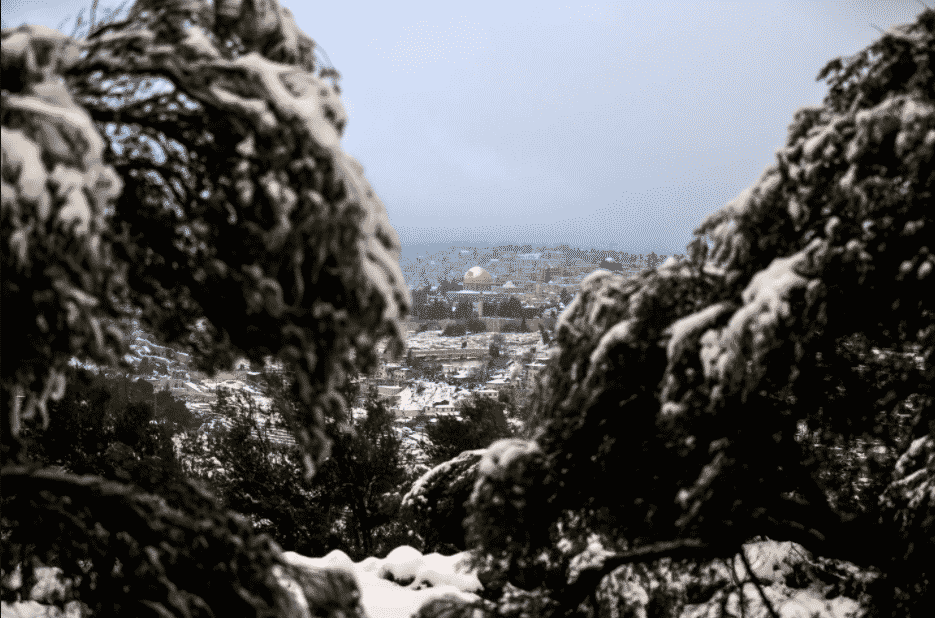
(477, 275)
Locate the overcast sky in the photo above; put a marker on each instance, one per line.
(521, 121)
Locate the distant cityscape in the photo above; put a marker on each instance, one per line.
(537, 279)
(512, 292)
(517, 263)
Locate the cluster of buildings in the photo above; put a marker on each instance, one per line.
(459, 366)
(170, 370)
(536, 286)
(479, 288)
(393, 386)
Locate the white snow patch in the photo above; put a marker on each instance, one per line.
(501, 454)
(446, 576)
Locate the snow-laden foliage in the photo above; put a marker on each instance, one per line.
(183, 166)
(199, 181)
(436, 502)
(668, 419)
(479, 423)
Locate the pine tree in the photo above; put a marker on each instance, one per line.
(367, 471)
(512, 308)
(464, 310)
(261, 479)
(690, 381)
(105, 429)
(200, 214)
(482, 423)
(496, 345)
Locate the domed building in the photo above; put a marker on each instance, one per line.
(477, 279)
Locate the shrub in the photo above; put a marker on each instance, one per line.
(482, 421)
(102, 426)
(454, 330)
(427, 326)
(497, 343)
(260, 479)
(513, 326)
(476, 325)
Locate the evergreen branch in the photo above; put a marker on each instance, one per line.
(590, 578)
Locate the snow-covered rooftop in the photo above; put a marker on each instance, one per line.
(432, 393)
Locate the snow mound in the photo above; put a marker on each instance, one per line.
(337, 559)
(422, 579)
(402, 564)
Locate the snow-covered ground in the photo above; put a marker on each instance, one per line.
(427, 394)
(416, 579)
(202, 390)
(421, 578)
(198, 394)
(400, 584)
(233, 386)
(514, 343)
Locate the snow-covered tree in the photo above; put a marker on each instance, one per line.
(481, 423)
(183, 166)
(682, 389)
(497, 343)
(436, 503)
(366, 473)
(105, 428)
